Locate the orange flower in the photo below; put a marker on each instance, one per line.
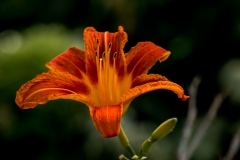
(102, 77)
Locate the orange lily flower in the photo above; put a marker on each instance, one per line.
(102, 77)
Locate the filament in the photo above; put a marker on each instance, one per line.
(107, 73)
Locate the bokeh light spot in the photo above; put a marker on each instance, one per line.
(229, 78)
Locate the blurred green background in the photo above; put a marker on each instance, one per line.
(203, 37)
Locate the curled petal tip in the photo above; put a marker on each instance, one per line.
(184, 97)
(165, 56)
(120, 29)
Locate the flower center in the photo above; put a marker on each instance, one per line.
(107, 75)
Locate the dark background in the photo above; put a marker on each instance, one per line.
(203, 37)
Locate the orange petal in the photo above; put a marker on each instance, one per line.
(146, 83)
(143, 56)
(118, 40)
(107, 119)
(50, 86)
(71, 61)
(146, 78)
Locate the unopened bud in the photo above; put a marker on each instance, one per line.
(164, 129)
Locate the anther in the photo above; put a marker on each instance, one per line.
(96, 53)
(103, 54)
(109, 45)
(115, 55)
(97, 41)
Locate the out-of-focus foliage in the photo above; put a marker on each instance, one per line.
(203, 36)
(229, 78)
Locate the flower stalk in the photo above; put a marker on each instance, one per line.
(125, 142)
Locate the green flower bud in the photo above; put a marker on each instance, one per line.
(146, 146)
(164, 129)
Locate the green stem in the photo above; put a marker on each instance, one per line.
(122, 157)
(125, 142)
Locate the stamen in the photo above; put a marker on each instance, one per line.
(106, 66)
(107, 73)
(114, 78)
(103, 55)
(109, 46)
(102, 99)
(97, 54)
(97, 41)
(114, 55)
(98, 68)
(97, 61)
